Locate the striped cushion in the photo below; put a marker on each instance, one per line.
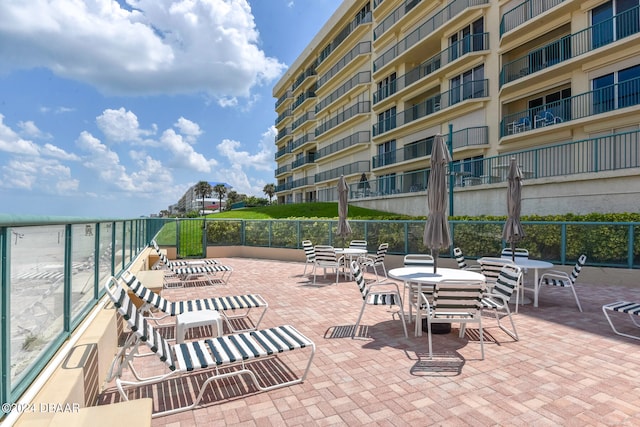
(624, 307)
(239, 347)
(553, 281)
(383, 299)
(235, 302)
(201, 269)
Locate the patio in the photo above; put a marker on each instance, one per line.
(567, 369)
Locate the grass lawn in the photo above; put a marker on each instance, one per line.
(305, 210)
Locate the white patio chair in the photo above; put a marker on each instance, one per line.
(326, 258)
(491, 268)
(462, 262)
(358, 244)
(376, 261)
(497, 297)
(309, 253)
(629, 307)
(416, 260)
(455, 301)
(562, 279)
(388, 295)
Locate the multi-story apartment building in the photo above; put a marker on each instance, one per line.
(553, 83)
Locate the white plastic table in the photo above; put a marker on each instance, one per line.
(193, 319)
(535, 265)
(350, 253)
(425, 276)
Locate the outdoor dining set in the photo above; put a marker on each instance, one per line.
(442, 295)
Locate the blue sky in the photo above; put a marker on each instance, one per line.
(114, 108)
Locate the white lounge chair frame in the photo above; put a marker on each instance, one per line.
(230, 307)
(631, 308)
(204, 356)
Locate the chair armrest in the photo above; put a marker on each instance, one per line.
(555, 273)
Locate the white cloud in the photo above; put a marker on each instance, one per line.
(11, 142)
(121, 126)
(190, 130)
(57, 152)
(29, 129)
(262, 160)
(40, 175)
(159, 46)
(184, 156)
(105, 163)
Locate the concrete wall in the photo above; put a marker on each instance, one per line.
(614, 192)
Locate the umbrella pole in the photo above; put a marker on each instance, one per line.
(435, 261)
(513, 252)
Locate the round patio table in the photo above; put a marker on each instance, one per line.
(415, 277)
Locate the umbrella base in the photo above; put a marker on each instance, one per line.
(437, 328)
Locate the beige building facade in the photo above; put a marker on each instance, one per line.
(555, 84)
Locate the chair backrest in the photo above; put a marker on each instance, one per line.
(417, 260)
(577, 268)
(144, 293)
(458, 296)
(138, 324)
(309, 250)
(359, 278)
(491, 267)
(517, 252)
(325, 253)
(462, 263)
(382, 251)
(507, 281)
(358, 244)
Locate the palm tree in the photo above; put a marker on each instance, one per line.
(232, 197)
(203, 189)
(220, 190)
(269, 190)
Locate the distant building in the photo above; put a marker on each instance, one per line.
(555, 84)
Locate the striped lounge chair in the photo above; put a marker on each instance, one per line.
(230, 307)
(212, 273)
(626, 307)
(180, 263)
(243, 354)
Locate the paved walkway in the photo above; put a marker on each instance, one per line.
(567, 369)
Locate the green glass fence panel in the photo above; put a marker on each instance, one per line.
(543, 241)
(316, 231)
(604, 244)
(478, 239)
(284, 234)
(386, 232)
(82, 266)
(190, 238)
(224, 233)
(37, 294)
(256, 233)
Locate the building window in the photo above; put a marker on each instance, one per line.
(387, 184)
(387, 153)
(616, 90)
(468, 39)
(469, 84)
(386, 88)
(387, 120)
(614, 20)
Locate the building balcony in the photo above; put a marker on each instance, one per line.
(350, 169)
(356, 109)
(308, 159)
(524, 12)
(361, 78)
(475, 89)
(359, 138)
(572, 46)
(610, 98)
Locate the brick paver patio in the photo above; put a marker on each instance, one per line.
(567, 369)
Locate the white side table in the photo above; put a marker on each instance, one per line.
(194, 319)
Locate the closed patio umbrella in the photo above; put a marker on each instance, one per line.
(513, 232)
(344, 229)
(436, 231)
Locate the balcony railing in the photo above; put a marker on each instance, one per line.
(607, 153)
(284, 132)
(303, 97)
(471, 43)
(362, 137)
(609, 98)
(348, 29)
(309, 72)
(343, 116)
(351, 168)
(469, 90)
(360, 78)
(283, 169)
(303, 160)
(302, 141)
(427, 28)
(359, 49)
(422, 148)
(309, 115)
(284, 115)
(524, 12)
(574, 45)
(394, 17)
(284, 97)
(281, 152)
